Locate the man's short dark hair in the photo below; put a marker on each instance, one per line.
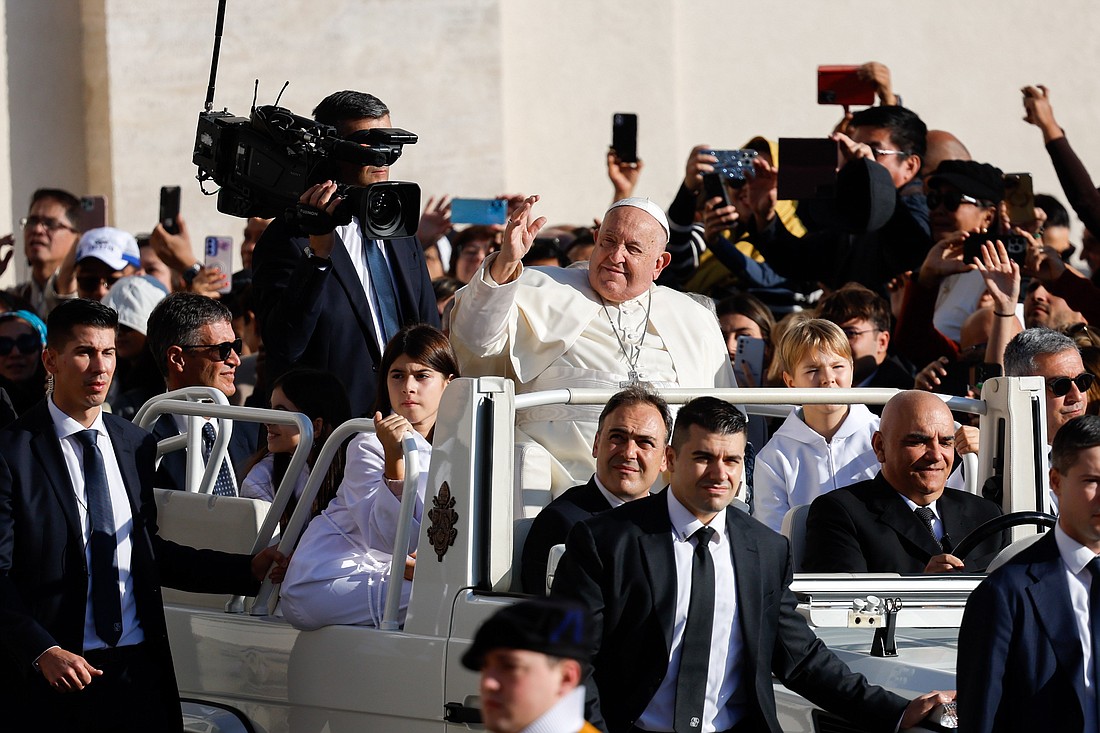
(348, 105)
(1079, 434)
(175, 321)
(1057, 216)
(853, 301)
(711, 414)
(63, 197)
(906, 129)
(1032, 342)
(638, 394)
(77, 312)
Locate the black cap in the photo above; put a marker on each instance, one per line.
(979, 180)
(554, 627)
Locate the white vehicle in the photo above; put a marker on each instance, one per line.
(241, 671)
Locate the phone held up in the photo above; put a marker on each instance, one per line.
(749, 362)
(170, 208)
(218, 253)
(624, 136)
(93, 212)
(484, 212)
(843, 85)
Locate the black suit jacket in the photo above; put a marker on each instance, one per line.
(552, 526)
(44, 576)
(868, 528)
(621, 565)
(314, 312)
(172, 472)
(1020, 662)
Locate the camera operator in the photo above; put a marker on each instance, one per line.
(332, 301)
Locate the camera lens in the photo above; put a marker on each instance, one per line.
(384, 210)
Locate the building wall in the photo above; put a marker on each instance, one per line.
(515, 96)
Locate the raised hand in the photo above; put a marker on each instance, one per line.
(1038, 112)
(699, 161)
(624, 176)
(943, 259)
(435, 221)
(1001, 275)
(519, 234)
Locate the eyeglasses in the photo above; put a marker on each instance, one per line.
(950, 200)
(852, 333)
(1060, 386)
(87, 283)
(225, 348)
(1083, 330)
(882, 151)
(26, 343)
(51, 224)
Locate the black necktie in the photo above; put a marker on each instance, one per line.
(927, 516)
(106, 600)
(382, 284)
(691, 680)
(223, 484)
(1094, 623)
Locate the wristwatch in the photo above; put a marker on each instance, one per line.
(318, 260)
(190, 273)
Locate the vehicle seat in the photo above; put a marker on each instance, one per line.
(520, 528)
(205, 521)
(1005, 555)
(794, 529)
(532, 480)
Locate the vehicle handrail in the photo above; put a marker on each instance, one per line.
(404, 528)
(192, 439)
(292, 532)
(745, 396)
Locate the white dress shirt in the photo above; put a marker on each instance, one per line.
(1075, 559)
(725, 702)
(66, 428)
(937, 523)
(352, 237)
(566, 716)
(613, 500)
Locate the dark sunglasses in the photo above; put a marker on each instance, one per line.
(28, 343)
(225, 348)
(88, 283)
(1059, 386)
(950, 200)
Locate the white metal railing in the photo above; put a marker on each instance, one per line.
(191, 441)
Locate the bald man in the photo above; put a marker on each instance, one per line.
(605, 327)
(904, 520)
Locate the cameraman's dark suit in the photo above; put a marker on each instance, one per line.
(314, 312)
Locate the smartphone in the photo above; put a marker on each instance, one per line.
(170, 208)
(93, 212)
(735, 165)
(1020, 197)
(624, 136)
(843, 85)
(479, 211)
(807, 168)
(713, 186)
(1015, 245)
(981, 372)
(218, 253)
(749, 360)
(956, 381)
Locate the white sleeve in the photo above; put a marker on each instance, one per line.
(770, 498)
(258, 483)
(363, 479)
(479, 320)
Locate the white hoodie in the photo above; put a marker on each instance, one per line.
(797, 465)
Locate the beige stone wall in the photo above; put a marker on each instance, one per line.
(516, 95)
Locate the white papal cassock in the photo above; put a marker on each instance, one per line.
(548, 329)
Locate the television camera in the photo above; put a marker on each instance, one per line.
(263, 163)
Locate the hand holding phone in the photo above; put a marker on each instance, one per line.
(218, 253)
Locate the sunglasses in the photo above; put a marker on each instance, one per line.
(88, 283)
(950, 200)
(1060, 386)
(225, 348)
(28, 343)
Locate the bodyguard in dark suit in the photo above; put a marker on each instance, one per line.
(1028, 644)
(877, 526)
(83, 642)
(192, 340)
(322, 300)
(629, 449)
(671, 639)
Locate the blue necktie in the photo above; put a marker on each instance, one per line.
(223, 484)
(691, 678)
(382, 283)
(106, 600)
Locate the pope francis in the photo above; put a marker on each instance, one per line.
(609, 325)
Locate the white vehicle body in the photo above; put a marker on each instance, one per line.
(351, 678)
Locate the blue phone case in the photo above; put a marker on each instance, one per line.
(479, 211)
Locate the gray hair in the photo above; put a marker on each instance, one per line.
(1025, 346)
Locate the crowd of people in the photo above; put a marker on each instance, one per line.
(912, 275)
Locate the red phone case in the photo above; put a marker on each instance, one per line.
(842, 85)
